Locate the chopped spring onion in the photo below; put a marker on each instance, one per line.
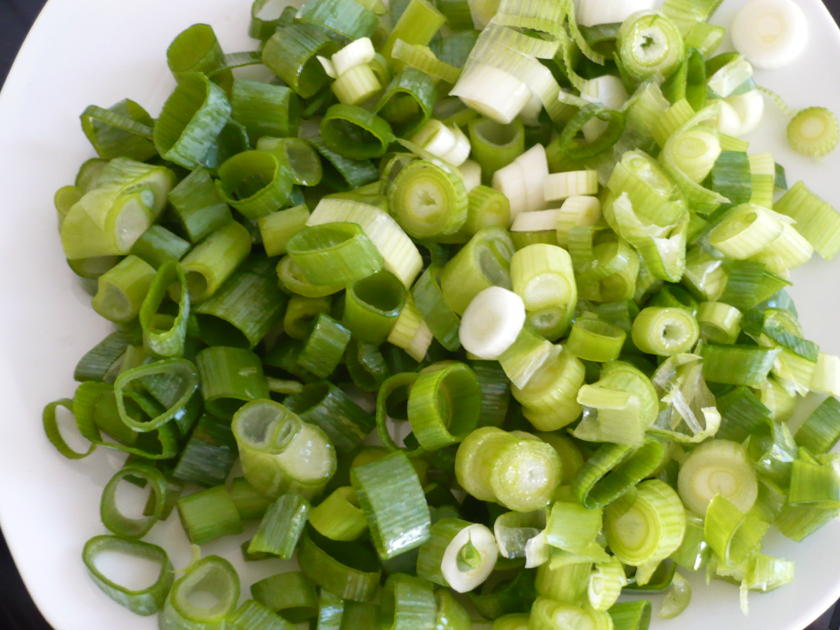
(814, 132)
(770, 33)
(431, 178)
(718, 467)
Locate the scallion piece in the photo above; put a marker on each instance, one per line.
(292, 595)
(354, 132)
(737, 364)
(717, 467)
(252, 615)
(459, 555)
(322, 350)
(324, 404)
(428, 199)
(664, 331)
(191, 119)
(444, 404)
(813, 132)
(142, 601)
(256, 183)
(271, 443)
(407, 101)
(390, 495)
(230, 377)
(816, 220)
(185, 609)
(334, 253)
(214, 259)
(350, 571)
(209, 514)
(291, 54)
(281, 527)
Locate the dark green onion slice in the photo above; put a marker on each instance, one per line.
(291, 595)
(444, 404)
(633, 615)
(407, 101)
(252, 615)
(197, 206)
(298, 155)
(291, 54)
(166, 341)
(245, 308)
(191, 119)
(372, 305)
(208, 455)
(50, 423)
(255, 182)
(407, 602)
(250, 503)
(324, 404)
(230, 377)
(354, 132)
(322, 350)
(157, 245)
(334, 253)
(141, 601)
(281, 527)
(265, 109)
(346, 18)
(392, 499)
(343, 173)
(183, 376)
(209, 514)
(114, 519)
(348, 570)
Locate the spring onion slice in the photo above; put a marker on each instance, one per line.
(141, 601)
(444, 404)
(717, 467)
(513, 530)
(328, 406)
(407, 602)
(390, 495)
(121, 289)
(549, 399)
(290, 53)
(547, 614)
(664, 331)
(813, 132)
(646, 525)
(422, 58)
(815, 219)
(400, 254)
(335, 567)
(256, 616)
(122, 130)
(738, 365)
(213, 575)
(428, 199)
(407, 101)
(591, 339)
(770, 33)
(281, 527)
(649, 45)
(180, 372)
(117, 522)
(208, 514)
(633, 615)
(191, 119)
(271, 443)
(291, 594)
(614, 470)
(339, 517)
(459, 555)
(229, 377)
(334, 253)
(429, 300)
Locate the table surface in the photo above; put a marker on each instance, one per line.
(17, 612)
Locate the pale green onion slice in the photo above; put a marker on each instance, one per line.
(717, 467)
(646, 525)
(513, 530)
(677, 598)
(649, 45)
(605, 584)
(428, 199)
(548, 399)
(665, 331)
(745, 231)
(548, 614)
(814, 132)
(203, 596)
(543, 277)
(558, 186)
(492, 92)
(594, 13)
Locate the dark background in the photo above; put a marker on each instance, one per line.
(17, 612)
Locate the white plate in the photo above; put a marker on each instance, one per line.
(100, 51)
